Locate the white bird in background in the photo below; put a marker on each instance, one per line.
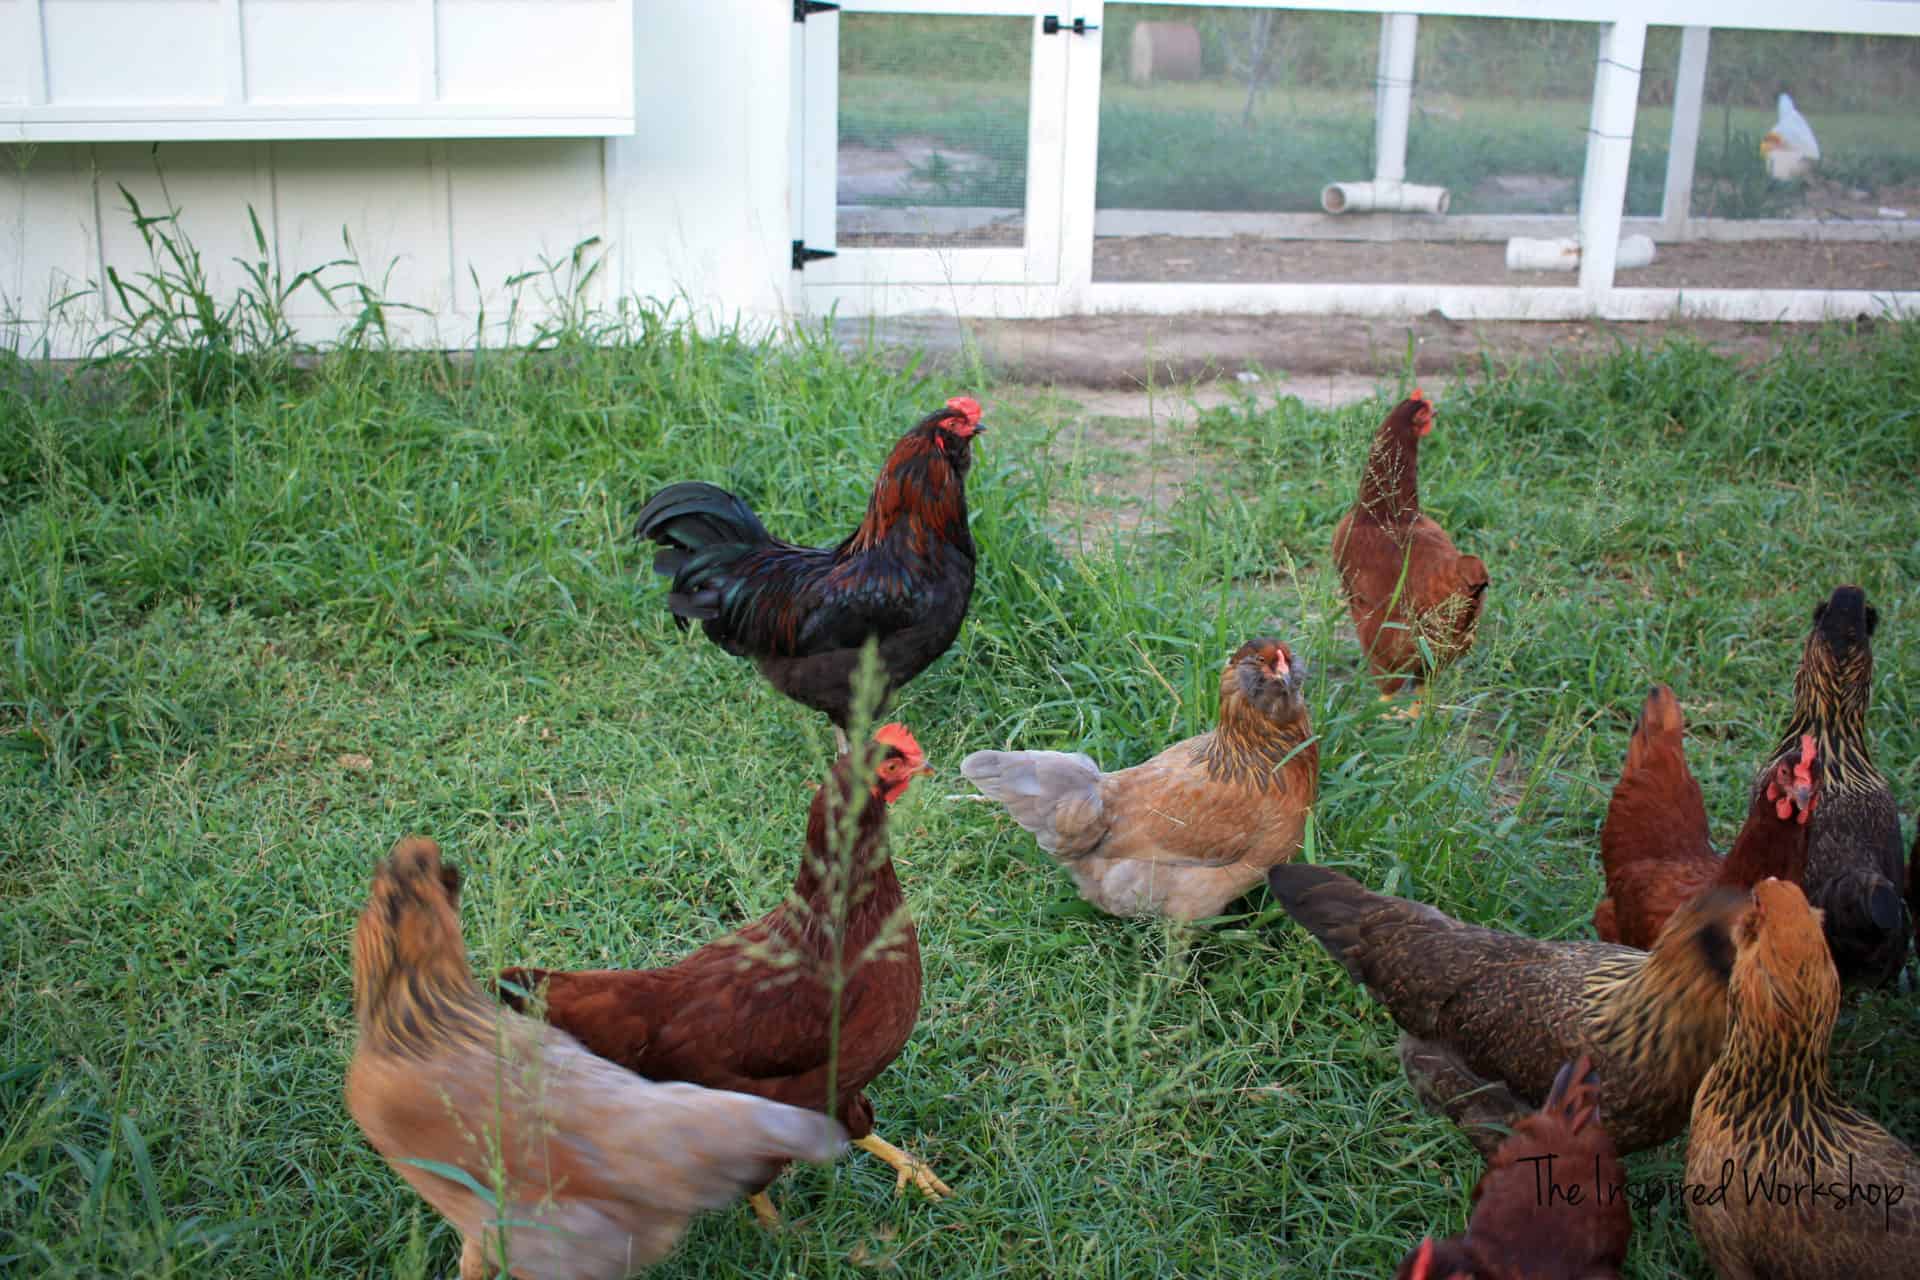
(1790, 149)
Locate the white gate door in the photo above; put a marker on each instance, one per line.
(931, 152)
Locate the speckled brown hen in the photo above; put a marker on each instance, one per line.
(1853, 844)
(1187, 832)
(1798, 1183)
(1487, 1018)
(1552, 1204)
(1404, 579)
(596, 1171)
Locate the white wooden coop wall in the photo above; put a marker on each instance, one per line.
(462, 143)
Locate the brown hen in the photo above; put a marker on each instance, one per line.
(1789, 1180)
(1190, 830)
(752, 1011)
(1486, 1018)
(1552, 1204)
(591, 1171)
(1404, 579)
(1654, 847)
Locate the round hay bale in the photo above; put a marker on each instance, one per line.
(1165, 51)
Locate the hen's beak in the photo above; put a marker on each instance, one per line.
(924, 768)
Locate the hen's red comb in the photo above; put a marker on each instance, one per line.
(1423, 1261)
(967, 407)
(1418, 394)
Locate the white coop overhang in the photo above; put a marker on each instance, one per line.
(227, 70)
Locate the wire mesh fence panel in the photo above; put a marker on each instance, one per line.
(1246, 145)
(932, 148)
(1500, 113)
(1806, 161)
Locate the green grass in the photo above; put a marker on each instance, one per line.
(257, 627)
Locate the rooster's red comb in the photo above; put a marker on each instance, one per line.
(967, 407)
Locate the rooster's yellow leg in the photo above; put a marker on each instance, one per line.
(906, 1166)
(763, 1209)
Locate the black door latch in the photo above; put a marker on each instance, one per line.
(1051, 26)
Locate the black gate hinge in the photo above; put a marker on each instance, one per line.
(1052, 26)
(803, 255)
(802, 9)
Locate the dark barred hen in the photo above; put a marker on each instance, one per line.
(548, 1160)
(1913, 887)
(1552, 1204)
(1487, 1018)
(1853, 842)
(1791, 1181)
(904, 577)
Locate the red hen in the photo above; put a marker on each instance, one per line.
(751, 1011)
(1654, 846)
(1520, 1228)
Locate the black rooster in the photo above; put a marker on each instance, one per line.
(904, 577)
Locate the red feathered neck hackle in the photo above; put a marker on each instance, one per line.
(921, 495)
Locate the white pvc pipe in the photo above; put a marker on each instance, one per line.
(1383, 197)
(1563, 254)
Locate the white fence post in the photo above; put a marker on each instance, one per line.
(1080, 176)
(1603, 191)
(1689, 95)
(1393, 95)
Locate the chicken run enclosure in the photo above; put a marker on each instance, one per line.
(1491, 160)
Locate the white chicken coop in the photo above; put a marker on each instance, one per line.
(774, 159)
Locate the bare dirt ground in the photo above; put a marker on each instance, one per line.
(1752, 264)
(1132, 353)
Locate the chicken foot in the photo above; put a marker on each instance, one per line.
(1486, 1110)
(907, 1166)
(1409, 712)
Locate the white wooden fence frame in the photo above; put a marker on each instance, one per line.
(1061, 218)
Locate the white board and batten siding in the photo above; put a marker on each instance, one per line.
(459, 145)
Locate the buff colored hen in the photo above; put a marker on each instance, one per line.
(591, 1172)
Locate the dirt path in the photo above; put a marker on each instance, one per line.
(1135, 352)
